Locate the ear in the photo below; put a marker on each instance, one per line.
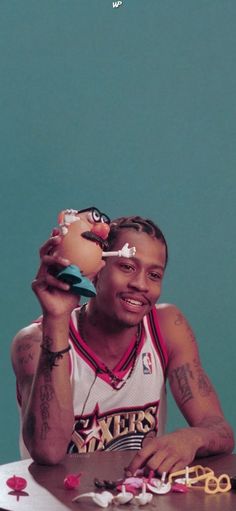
(95, 280)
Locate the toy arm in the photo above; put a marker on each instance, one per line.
(124, 252)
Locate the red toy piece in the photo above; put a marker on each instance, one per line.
(179, 488)
(16, 483)
(72, 481)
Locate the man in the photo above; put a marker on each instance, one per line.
(94, 377)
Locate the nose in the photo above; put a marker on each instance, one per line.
(101, 229)
(139, 281)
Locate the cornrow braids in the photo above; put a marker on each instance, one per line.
(139, 224)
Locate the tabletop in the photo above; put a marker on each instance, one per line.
(45, 488)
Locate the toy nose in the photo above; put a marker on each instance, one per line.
(101, 229)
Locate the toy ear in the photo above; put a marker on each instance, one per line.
(61, 217)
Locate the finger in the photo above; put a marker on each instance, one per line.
(55, 260)
(180, 465)
(166, 465)
(50, 245)
(139, 460)
(46, 281)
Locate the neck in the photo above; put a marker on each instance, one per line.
(108, 338)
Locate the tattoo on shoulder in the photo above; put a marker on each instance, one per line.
(181, 376)
(24, 353)
(26, 359)
(204, 384)
(24, 346)
(181, 320)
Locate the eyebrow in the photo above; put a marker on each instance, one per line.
(153, 266)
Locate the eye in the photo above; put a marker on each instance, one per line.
(126, 267)
(154, 275)
(96, 215)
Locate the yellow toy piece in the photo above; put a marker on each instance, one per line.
(190, 476)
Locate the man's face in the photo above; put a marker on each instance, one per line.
(128, 288)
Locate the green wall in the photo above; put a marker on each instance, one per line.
(131, 109)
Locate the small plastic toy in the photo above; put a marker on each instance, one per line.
(101, 499)
(219, 484)
(191, 475)
(16, 483)
(143, 498)
(179, 488)
(123, 497)
(106, 484)
(198, 474)
(84, 238)
(159, 486)
(72, 481)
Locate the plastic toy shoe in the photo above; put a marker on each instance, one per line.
(143, 498)
(101, 499)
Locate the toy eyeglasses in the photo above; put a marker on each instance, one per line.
(96, 215)
(200, 474)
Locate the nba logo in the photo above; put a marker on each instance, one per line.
(147, 363)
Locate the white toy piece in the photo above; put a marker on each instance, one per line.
(101, 499)
(184, 480)
(143, 498)
(123, 497)
(159, 486)
(124, 252)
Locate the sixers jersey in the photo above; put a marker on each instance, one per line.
(108, 418)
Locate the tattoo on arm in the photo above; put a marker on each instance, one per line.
(180, 376)
(31, 425)
(46, 392)
(47, 342)
(180, 320)
(204, 384)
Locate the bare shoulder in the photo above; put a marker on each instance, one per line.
(25, 349)
(175, 327)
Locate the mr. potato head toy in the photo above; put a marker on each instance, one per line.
(84, 235)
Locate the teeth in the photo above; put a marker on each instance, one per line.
(133, 302)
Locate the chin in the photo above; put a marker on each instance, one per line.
(130, 320)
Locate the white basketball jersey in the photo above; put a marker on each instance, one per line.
(111, 419)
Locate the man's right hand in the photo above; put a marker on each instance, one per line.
(52, 293)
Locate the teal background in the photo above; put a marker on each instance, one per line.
(133, 110)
